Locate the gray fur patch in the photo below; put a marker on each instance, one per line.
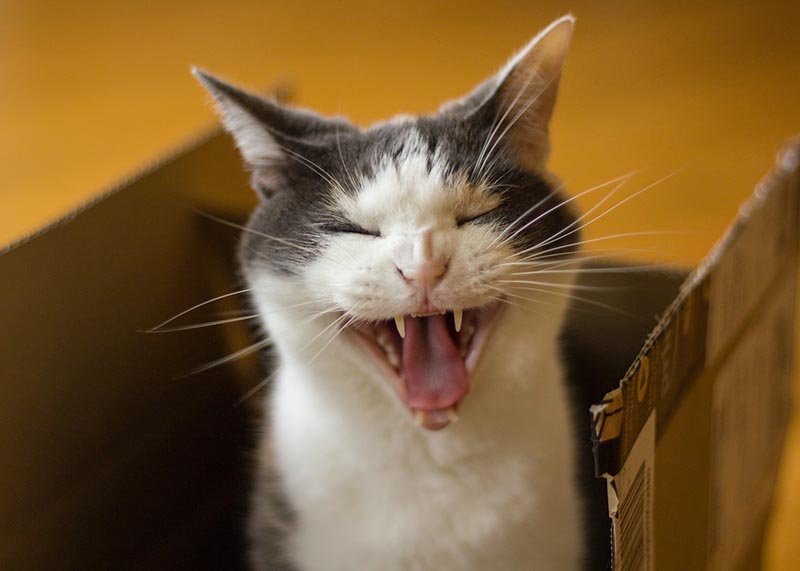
(298, 210)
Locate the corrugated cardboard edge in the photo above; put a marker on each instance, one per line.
(203, 137)
(283, 92)
(607, 417)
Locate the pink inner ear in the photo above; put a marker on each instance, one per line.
(528, 90)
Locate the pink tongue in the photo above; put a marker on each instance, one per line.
(433, 369)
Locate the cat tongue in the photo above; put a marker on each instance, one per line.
(434, 372)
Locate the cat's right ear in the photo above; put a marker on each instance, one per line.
(252, 121)
(269, 135)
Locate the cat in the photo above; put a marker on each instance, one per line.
(420, 418)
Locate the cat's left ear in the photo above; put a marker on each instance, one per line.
(517, 104)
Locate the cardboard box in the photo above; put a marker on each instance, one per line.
(115, 456)
(689, 442)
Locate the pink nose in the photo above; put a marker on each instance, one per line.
(425, 273)
(425, 266)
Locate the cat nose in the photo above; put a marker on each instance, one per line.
(425, 274)
(426, 266)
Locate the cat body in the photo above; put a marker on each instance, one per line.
(496, 489)
(419, 417)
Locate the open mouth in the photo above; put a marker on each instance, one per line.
(429, 359)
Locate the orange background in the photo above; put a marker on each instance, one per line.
(92, 91)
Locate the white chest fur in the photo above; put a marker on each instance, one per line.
(371, 491)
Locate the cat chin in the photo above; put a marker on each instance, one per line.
(393, 350)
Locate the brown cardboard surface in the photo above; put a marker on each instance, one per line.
(716, 373)
(716, 462)
(106, 450)
(751, 404)
(682, 458)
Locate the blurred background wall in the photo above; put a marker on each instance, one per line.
(92, 91)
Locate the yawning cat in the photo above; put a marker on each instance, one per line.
(413, 277)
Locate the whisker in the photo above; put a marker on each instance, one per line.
(228, 358)
(581, 299)
(314, 167)
(565, 231)
(316, 301)
(522, 216)
(602, 238)
(509, 302)
(609, 270)
(562, 204)
(201, 325)
(557, 259)
(260, 385)
(324, 330)
(336, 333)
(507, 294)
(328, 306)
(318, 314)
(256, 232)
(618, 204)
(561, 262)
(238, 313)
(611, 251)
(560, 286)
(232, 312)
(199, 305)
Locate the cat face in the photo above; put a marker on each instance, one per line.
(410, 234)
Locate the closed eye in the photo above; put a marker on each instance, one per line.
(349, 228)
(476, 218)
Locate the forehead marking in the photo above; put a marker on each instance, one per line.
(414, 188)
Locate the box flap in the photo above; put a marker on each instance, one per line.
(698, 419)
(705, 318)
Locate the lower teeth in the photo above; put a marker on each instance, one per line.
(393, 359)
(388, 349)
(465, 339)
(435, 417)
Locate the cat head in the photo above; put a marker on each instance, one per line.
(412, 236)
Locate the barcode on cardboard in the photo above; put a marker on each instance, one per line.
(631, 504)
(633, 526)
